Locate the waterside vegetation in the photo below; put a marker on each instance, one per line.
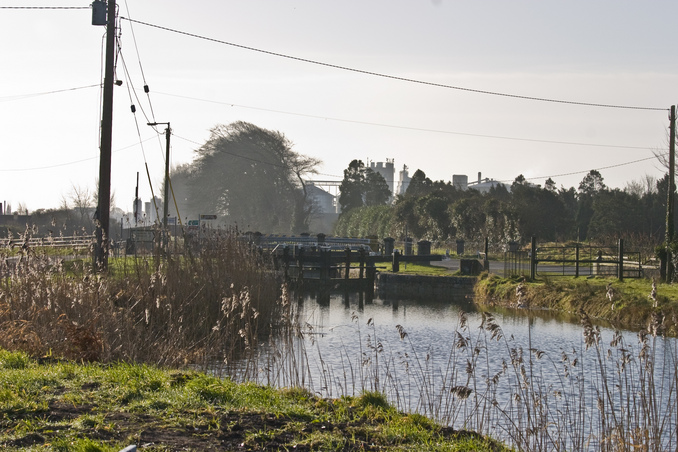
(629, 304)
(225, 312)
(194, 308)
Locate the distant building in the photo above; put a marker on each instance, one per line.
(484, 185)
(325, 212)
(387, 171)
(137, 211)
(403, 181)
(460, 181)
(152, 210)
(324, 202)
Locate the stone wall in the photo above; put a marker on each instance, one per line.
(390, 285)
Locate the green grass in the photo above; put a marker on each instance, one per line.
(630, 307)
(417, 269)
(62, 406)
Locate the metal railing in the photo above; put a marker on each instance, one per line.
(574, 260)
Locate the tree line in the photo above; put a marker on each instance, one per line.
(251, 177)
(440, 212)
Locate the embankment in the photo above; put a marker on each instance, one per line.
(392, 285)
(628, 304)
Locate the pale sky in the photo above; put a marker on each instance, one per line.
(604, 52)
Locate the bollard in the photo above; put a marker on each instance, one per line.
(388, 246)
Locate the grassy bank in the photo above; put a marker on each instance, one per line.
(628, 304)
(63, 406)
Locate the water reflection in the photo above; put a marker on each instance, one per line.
(520, 375)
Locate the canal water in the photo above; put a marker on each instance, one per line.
(534, 379)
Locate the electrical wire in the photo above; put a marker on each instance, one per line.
(392, 126)
(131, 89)
(502, 181)
(141, 68)
(132, 92)
(148, 97)
(584, 172)
(44, 93)
(149, 121)
(45, 7)
(394, 77)
(326, 118)
(72, 162)
(130, 84)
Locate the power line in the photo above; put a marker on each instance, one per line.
(26, 96)
(73, 162)
(394, 77)
(586, 171)
(502, 181)
(392, 126)
(329, 118)
(44, 7)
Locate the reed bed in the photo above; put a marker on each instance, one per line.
(193, 309)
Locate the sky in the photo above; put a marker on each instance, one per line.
(455, 93)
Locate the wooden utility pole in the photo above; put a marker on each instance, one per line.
(670, 195)
(104, 205)
(168, 135)
(165, 206)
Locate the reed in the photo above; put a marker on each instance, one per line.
(616, 396)
(193, 309)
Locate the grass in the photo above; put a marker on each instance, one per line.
(63, 406)
(417, 269)
(630, 307)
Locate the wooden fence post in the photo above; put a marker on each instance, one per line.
(533, 258)
(620, 266)
(361, 254)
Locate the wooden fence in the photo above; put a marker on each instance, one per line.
(75, 241)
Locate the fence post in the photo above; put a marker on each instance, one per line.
(486, 261)
(361, 254)
(620, 267)
(533, 258)
(576, 258)
(300, 263)
(396, 261)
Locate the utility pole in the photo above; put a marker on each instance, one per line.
(670, 195)
(136, 202)
(104, 205)
(165, 208)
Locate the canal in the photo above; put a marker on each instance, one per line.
(534, 379)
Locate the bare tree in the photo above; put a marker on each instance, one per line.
(22, 209)
(83, 201)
